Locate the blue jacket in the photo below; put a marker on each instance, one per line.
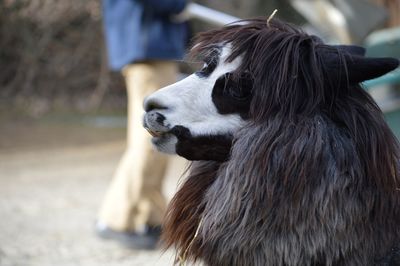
(139, 30)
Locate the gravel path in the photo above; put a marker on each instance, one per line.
(51, 185)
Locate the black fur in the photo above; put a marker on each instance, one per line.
(232, 95)
(213, 147)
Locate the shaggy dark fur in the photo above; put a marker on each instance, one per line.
(313, 179)
(215, 148)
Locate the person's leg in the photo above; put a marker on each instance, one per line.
(134, 198)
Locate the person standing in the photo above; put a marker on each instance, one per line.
(142, 40)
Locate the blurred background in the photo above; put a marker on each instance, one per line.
(63, 115)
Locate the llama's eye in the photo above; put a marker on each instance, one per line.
(208, 67)
(205, 68)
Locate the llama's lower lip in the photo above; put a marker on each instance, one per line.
(153, 133)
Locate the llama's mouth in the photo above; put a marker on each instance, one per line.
(154, 133)
(162, 137)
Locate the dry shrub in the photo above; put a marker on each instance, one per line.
(52, 55)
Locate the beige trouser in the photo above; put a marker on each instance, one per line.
(134, 197)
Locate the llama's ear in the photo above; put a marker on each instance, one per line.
(358, 68)
(363, 68)
(351, 49)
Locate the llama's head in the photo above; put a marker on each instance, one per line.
(253, 71)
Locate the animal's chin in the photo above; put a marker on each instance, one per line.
(164, 142)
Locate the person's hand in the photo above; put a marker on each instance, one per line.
(183, 16)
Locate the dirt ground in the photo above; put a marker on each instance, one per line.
(53, 175)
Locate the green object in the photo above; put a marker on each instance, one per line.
(393, 119)
(386, 43)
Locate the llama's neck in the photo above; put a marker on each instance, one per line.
(300, 197)
(186, 209)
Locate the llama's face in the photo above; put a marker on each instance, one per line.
(197, 116)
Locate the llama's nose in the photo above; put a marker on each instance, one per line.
(150, 104)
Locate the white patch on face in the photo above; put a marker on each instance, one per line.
(188, 103)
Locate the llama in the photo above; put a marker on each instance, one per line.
(293, 161)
